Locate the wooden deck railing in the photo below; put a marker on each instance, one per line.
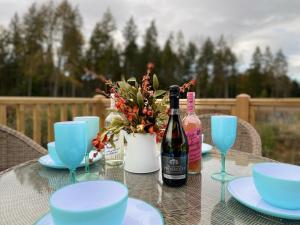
(67, 109)
(243, 106)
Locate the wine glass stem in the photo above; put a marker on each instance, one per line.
(223, 156)
(73, 176)
(223, 191)
(87, 163)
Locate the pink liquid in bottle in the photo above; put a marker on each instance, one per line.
(193, 129)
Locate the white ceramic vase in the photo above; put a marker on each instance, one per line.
(141, 155)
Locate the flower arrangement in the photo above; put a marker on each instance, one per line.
(143, 108)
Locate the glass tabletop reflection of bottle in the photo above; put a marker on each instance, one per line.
(114, 155)
(181, 144)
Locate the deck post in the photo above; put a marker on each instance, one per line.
(243, 107)
(99, 109)
(3, 115)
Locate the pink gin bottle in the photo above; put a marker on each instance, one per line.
(193, 130)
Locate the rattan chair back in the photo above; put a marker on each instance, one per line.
(247, 140)
(16, 148)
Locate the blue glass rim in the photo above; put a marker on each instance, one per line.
(76, 118)
(51, 144)
(223, 116)
(255, 169)
(69, 123)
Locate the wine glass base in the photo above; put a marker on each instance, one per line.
(222, 176)
(114, 162)
(88, 177)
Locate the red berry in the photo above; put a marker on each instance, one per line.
(101, 145)
(151, 130)
(144, 111)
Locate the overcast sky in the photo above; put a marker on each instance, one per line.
(246, 24)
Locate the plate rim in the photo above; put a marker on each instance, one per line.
(259, 209)
(63, 166)
(136, 199)
(211, 147)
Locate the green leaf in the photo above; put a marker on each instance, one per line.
(117, 122)
(155, 82)
(123, 85)
(139, 98)
(103, 134)
(159, 93)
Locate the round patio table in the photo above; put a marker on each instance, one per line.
(25, 191)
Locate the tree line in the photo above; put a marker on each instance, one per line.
(44, 53)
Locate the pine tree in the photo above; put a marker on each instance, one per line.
(224, 67)
(102, 56)
(70, 53)
(254, 82)
(267, 73)
(169, 64)
(179, 48)
(131, 51)
(50, 69)
(205, 68)
(257, 59)
(4, 84)
(34, 36)
(150, 51)
(282, 85)
(230, 73)
(16, 57)
(190, 64)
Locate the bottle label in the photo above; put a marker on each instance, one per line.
(195, 144)
(190, 101)
(112, 150)
(174, 168)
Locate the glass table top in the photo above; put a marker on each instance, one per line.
(25, 191)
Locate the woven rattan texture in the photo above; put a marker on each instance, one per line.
(25, 190)
(16, 148)
(247, 140)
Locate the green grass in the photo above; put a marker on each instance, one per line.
(280, 135)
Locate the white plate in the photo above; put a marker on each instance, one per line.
(243, 190)
(47, 161)
(138, 213)
(206, 148)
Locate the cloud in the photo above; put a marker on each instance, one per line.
(273, 23)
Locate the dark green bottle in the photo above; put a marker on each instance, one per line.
(174, 154)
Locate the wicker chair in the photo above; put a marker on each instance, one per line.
(247, 140)
(16, 148)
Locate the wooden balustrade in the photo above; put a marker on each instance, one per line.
(61, 109)
(55, 109)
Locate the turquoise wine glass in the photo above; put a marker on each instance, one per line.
(223, 132)
(71, 144)
(92, 131)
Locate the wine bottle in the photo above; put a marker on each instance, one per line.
(193, 129)
(174, 154)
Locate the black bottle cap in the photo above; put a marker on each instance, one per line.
(174, 90)
(174, 96)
